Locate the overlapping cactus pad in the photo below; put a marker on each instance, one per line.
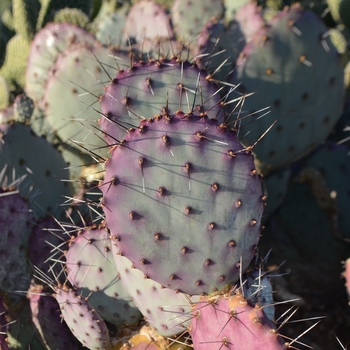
(141, 15)
(82, 319)
(149, 89)
(297, 71)
(47, 44)
(237, 325)
(46, 318)
(167, 311)
(85, 65)
(183, 201)
(37, 164)
(91, 269)
(189, 17)
(15, 225)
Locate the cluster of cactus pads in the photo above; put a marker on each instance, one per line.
(137, 146)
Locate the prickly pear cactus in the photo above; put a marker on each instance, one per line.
(146, 20)
(219, 44)
(166, 310)
(218, 47)
(238, 324)
(250, 19)
(110, 30)
(44, 49)
(47, 242)
(149, 89)
(190, 17)
(41, 177)
(91, 269)
(82, 319)
(232, 6)
(53, 332)
(183, 202)
(295, 69)
(75, 69)
(15, 225)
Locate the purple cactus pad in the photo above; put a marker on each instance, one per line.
(184, 202)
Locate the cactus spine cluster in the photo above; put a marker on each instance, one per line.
(137, 146)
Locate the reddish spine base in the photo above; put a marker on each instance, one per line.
(231, 322)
